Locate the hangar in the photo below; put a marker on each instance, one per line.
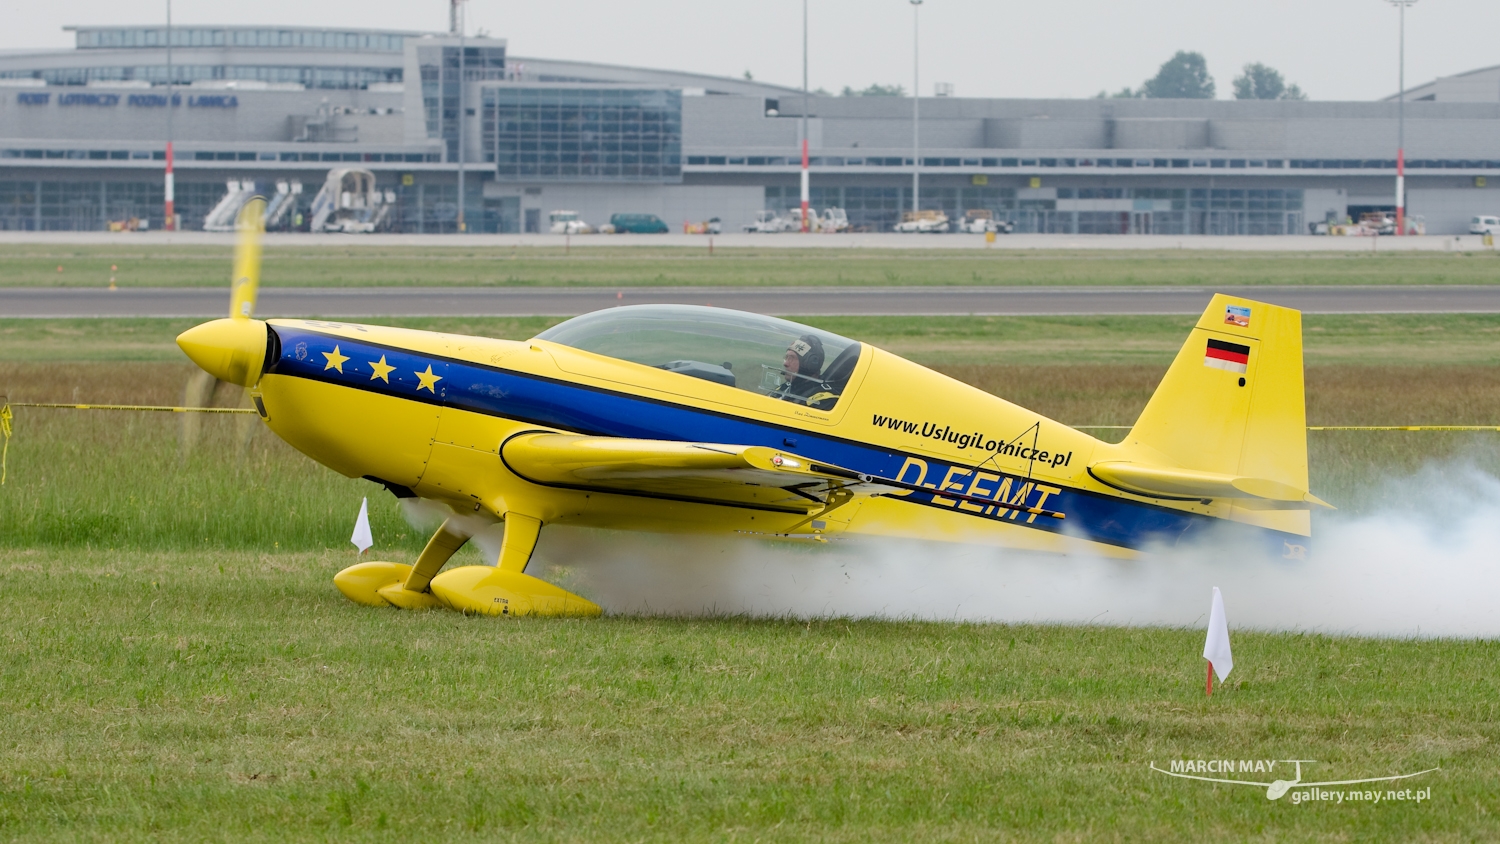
(83, 134)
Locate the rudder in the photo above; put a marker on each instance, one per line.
(1233, 403)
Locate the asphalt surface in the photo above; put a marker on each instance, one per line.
(1452, 242)
(782, 302)
(814, 301)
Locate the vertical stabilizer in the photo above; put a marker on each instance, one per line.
(1233, 404)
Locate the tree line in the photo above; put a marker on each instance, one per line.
(1185, 76)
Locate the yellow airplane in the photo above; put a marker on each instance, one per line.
(681, 418)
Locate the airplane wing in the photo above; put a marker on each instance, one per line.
(750, 476)
(717, 473)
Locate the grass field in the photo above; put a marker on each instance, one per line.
(132, 265)
(176, 665)
(235, 696)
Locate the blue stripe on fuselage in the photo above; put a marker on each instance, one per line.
(597, 412)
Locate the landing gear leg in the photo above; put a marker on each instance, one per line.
(505, 589)
(379, 584)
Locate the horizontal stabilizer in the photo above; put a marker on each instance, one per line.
(1162, 482)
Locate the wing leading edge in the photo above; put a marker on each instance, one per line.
(733, 475)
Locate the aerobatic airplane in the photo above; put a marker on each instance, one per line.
(678, 418)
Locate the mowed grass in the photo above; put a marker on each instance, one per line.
(223, 696)
(141, 263)
(1367, 339)
(175, 664)
(113, 479)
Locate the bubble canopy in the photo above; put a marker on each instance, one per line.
(735, 348)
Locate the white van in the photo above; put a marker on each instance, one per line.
(1484, 225)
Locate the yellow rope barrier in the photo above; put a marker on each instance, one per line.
(1404, 428)
(161, 408)
(5, 417)
(1338, 427)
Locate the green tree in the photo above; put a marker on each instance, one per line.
(1182, 77)
(1259, 82)
(875, 90)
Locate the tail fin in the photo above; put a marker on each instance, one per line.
(1232, 405)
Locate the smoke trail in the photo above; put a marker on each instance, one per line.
(1427, 564)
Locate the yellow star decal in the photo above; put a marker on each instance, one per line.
(335, 360)
(382, 370)
(429, 381)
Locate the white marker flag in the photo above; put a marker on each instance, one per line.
(362, 538)
(1216, 649)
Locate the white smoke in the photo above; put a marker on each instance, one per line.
(1425, 564)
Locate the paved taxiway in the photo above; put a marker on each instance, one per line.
(739, 240)
(780, 301)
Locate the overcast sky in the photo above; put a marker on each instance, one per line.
(1334, 49)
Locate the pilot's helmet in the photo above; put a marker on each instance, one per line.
(809, 351)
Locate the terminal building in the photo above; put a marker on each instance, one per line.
(83, 135)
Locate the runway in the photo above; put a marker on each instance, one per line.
(739, 240)
(207, 302)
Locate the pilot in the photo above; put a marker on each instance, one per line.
(803, 364)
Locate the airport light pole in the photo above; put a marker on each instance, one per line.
(916, 110)
(806, 190)
(456, 19)
(1401, 123)
(170, 223)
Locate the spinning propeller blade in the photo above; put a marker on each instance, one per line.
(245, 285)
(229, 350)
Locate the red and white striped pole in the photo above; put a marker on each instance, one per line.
(171, 224)
(1400, 192)
(805, 190)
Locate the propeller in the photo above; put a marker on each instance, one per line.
(245, 285)
(244, 288)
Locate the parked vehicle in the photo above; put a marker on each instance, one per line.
(923, 222)
(569, 222)
(833, 220)
(982, 221)
(637, 224)
(769, 222)
(1378, 222)
(710, 226)
(1484, 224)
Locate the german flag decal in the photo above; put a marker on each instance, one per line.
(1227, 356)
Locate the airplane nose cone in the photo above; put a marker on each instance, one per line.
(232, 350)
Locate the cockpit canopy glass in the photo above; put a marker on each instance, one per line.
(761, 354)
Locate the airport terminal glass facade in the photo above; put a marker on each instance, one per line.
(117, 38)
(1073, 210)
(442, 70)
(549, 133)
(308, 76)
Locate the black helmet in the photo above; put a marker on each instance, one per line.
(809, 351)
